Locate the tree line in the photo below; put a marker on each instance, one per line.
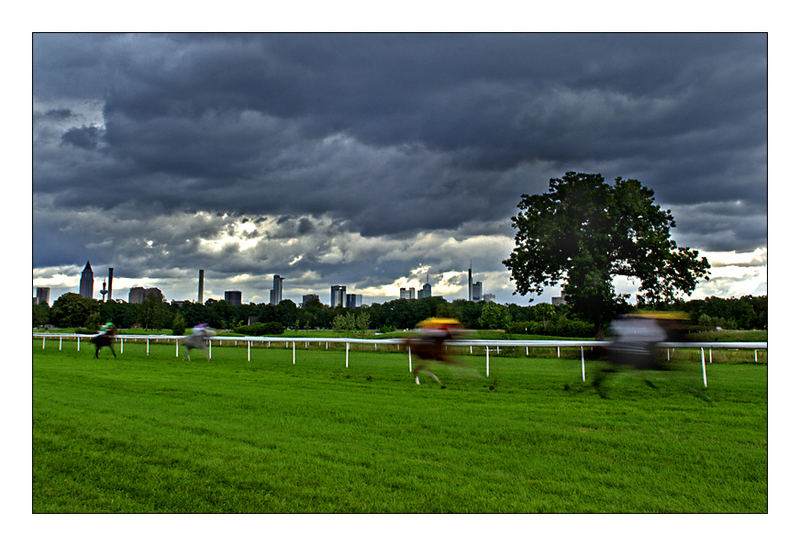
(73, 311)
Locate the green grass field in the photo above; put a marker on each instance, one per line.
(151, 434)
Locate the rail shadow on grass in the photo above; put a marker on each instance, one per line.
(160, 434)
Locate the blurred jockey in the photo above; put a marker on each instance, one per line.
(104, 338)
(430, 343)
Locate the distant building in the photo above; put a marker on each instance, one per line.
(488, 297)
(558, 300)
(353, 301)
(469, 282)
(408, 293)
(338, 293)
(138, 294)
(425, 291)
(200, 280)
(43, 295)
(87, 281)
(477, 291)
(233, 297)
(276, 294)
(308, 298)
(110, 283)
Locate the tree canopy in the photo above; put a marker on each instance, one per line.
(583, 232)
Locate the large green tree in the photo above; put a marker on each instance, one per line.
(71, 309)
(584, 231)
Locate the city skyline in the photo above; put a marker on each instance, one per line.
(348, 159)
(406, 292)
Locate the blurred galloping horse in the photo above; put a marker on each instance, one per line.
(198, 339)
(105, 338)
(430, 344)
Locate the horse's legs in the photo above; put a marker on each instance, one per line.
(111, 348)
(421, 369)
(189, 353)
(433, 375)
(96, 351)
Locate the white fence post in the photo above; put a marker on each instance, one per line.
(292, 352)
(44, 338)
(755, 355)
(583, 367)
(148, 346)
(59, 343)
(209, 350)
(248, 351)
(347, 355)
(79, 343)
(710, 356)
(176, 348)
(526, 350)
(409, 358)
(558, 351)
(121, 345)
(703, 365)
(487, 361)
(470, 349)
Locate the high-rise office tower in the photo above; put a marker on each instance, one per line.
(87, 281)
(136, 294)
(353, 301)
(425, 291)
(233, 297)
(477, 291)
(43, 295)
(408, 293)
(276, 295)
(338, 293)
(200, 286)
(307, 298)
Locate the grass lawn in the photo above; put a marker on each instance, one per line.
(161, 434)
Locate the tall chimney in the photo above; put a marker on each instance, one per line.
(110, 281)
(200, 287)
(469, 282)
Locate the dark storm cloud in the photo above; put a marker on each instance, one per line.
(83, 137)
(388, 134)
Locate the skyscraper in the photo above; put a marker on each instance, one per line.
(308, 298)
(200, 286)
(136, 294)
(338, 293)
(353, 301)
(233, 297)
(43, 295)
(425, 291)
(87, 281)
(110, 281)
(276, 295)
(477, 291)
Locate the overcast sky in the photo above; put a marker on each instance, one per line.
(377, 160)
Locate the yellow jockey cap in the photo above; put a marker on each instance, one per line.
(438, 323)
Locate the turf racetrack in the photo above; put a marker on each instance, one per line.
(161, 434)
